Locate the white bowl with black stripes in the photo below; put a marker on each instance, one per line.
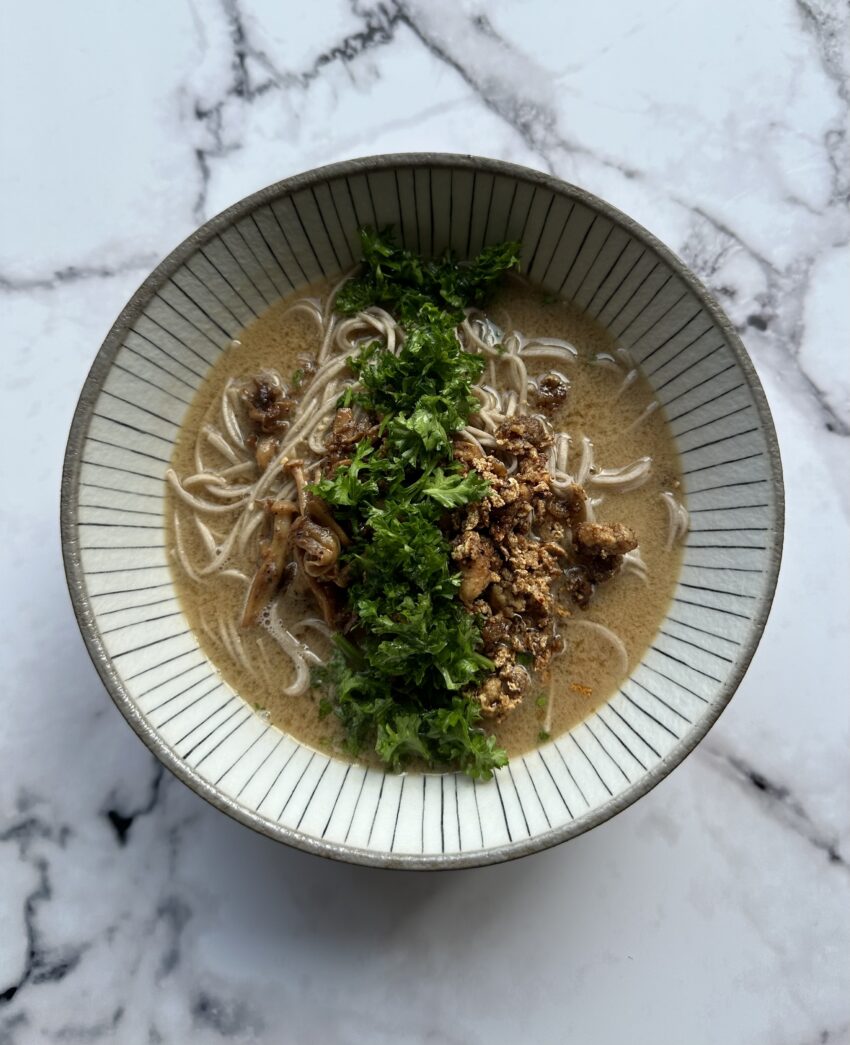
(185, 314)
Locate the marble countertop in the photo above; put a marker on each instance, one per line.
(717, 909)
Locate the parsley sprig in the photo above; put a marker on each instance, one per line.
(402, 282)
(400, 681)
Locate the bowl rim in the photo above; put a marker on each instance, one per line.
(75, 574)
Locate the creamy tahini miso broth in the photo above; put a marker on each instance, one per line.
(618, 444)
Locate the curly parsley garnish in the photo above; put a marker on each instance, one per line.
(400, 682)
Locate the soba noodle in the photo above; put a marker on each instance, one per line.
(223, 499)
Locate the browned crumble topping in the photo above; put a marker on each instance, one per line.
(519, 551)
(552, 392)
(515, 546)
(600, 547)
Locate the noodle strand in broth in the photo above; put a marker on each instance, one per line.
(219, 489)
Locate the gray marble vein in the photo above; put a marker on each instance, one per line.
(76, 274)
(778, 800)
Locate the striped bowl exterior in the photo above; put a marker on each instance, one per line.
(181, 320)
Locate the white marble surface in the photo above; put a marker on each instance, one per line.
(715, 910)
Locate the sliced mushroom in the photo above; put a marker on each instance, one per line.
(268, 404)
(272, 561)
(265, 450)
(326, 595)
(296, 470)
(319, 512)
(319, 545)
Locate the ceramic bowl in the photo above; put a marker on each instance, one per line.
(183, 317)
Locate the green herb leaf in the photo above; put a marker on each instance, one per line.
(403, 283)
(402, 681)
(454, 490)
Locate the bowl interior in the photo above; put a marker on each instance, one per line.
(180, 321)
